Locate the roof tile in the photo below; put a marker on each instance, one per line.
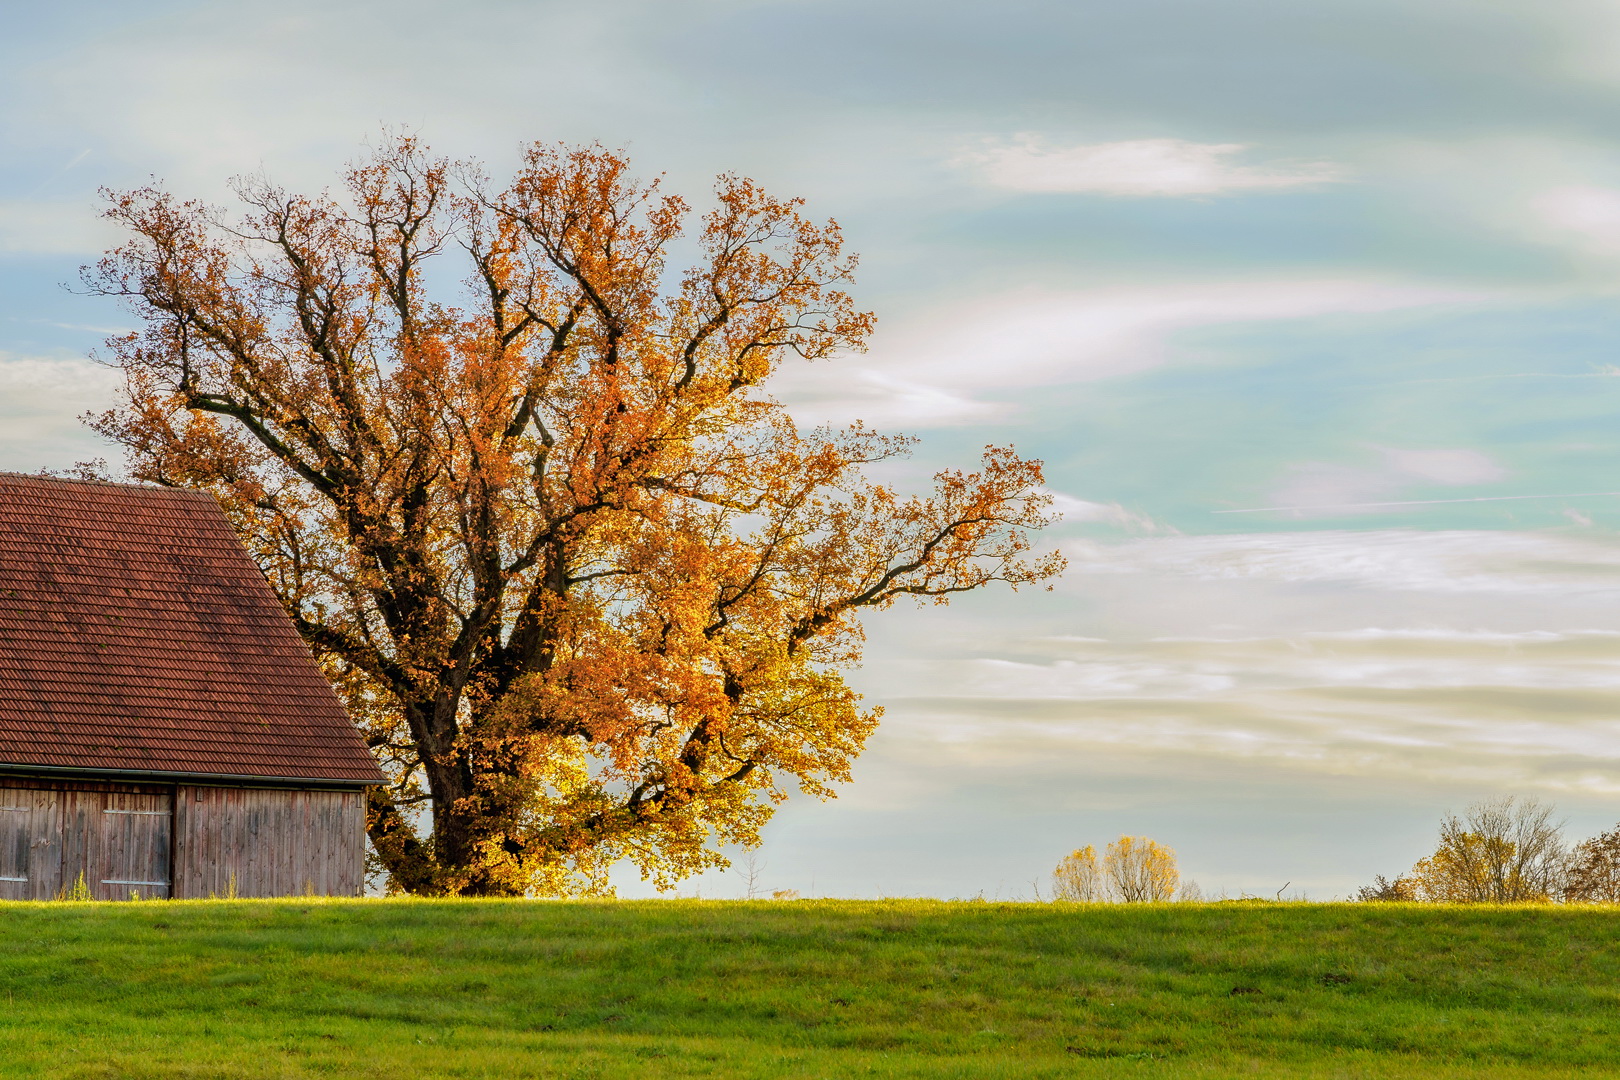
(136, 634)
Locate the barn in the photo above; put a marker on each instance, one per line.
(163, 730)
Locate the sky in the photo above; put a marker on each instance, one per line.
(1312, 310)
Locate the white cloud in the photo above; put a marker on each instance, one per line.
(1496, 563)
(30, 383)
(199, 95)
(41, 398)
(933, 367)
(1137, 167)
(1453, 467)
(1073, 510)
(1506, 710)
(852, 388)
(1494, 660)
(1536, 188)
(1584, 215)
(1318, 485)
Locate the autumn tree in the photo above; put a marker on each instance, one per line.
(1502, 851)
(1593, 871)
(1079, 878)
(1132, 870)
(584, 585)
(1139, 870)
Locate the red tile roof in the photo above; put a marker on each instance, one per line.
(136, 635)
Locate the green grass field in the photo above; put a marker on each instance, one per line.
(805, 989)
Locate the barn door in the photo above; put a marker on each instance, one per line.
(16, 837)
(115, 843)
(132, 857)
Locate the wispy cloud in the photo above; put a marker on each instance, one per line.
(1439, 701)
(937, 367)
(1496, 564)
(1318, 487)
(1163, 168)
(1569, 512)
(1472, 657)
(1584, 216)
(41, 398)
(1084, 511)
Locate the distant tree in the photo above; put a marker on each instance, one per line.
(1593, 875)
(1383, 890)
(1139, 870)
(587, 588)
(1502, 851)
(1079, 878)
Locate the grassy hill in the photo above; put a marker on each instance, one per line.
(249, 989)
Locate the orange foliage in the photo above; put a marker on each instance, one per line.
(584, 584)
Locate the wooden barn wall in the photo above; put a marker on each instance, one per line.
(127, 839)
(112, 837)
(252, 842)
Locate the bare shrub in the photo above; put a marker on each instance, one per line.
(1402, 890)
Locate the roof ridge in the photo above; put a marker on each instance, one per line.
(127, 485)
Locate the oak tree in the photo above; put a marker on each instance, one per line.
(585, 586)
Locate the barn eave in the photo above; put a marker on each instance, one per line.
(147, 776)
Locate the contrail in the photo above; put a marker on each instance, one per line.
(43, 184)
(1416, 502)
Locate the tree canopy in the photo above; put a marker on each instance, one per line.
(584, 585)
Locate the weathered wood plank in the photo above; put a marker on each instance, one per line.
(45, 855)
(28, 783)
(16, 840)
(136, 838)
(274, 842)
(135, 835)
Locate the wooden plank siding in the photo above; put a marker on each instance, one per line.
(114, 836)
(190, 841)
(16, 841)
(134, 834)
(262, 842)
